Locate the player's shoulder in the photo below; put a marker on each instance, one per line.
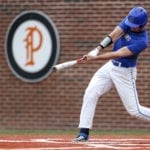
(141, 43)
(144, 38)
(123, 26)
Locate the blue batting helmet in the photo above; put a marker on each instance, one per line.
(137, 17)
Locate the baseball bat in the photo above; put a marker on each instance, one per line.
(71, 63)
(64, 65)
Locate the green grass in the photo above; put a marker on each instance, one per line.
(122, 132)
(64, 132)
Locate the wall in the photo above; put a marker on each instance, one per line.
(55, 102)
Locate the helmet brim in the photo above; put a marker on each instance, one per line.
(130, 24)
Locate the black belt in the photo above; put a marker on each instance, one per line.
(119, 64)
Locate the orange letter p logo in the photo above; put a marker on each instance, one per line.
(30, 43)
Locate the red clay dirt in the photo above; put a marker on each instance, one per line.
(64, 142)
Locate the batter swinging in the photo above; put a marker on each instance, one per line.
(130, 39)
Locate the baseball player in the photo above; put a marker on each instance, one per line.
(130, 39)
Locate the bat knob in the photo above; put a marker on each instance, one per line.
(54, 69)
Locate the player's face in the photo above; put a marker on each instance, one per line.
(139, 29)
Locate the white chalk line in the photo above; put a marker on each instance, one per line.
(67, 141)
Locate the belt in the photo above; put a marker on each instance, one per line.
(119, 64)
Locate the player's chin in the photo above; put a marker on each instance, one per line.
(138, 29)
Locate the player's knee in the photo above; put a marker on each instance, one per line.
(91, 92)
(134, 113)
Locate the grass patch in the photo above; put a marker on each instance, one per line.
(75, 132)
(34, 132)
(121, 132)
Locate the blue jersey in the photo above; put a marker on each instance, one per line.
(135, 41)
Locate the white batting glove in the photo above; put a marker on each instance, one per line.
(94, 52)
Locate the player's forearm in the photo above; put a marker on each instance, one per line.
(109, 39)
(105, 56)
(123, 52)
(116, 33)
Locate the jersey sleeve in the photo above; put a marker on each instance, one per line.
(138, 47)
(123, 26)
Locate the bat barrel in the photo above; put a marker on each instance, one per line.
(64, 65)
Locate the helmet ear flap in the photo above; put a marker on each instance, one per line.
(141, 26)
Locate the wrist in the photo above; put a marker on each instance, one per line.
(99, 47)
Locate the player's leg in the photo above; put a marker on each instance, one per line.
(124, 81)
(99, 84)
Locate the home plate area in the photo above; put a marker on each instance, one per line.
(64, 143)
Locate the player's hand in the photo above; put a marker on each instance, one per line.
(87, 58)
(83, 59)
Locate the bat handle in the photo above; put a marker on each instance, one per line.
(54, 69)
(80, 60)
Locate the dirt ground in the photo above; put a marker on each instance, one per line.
(64, 142)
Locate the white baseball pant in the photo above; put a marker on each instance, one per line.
(102, 82)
